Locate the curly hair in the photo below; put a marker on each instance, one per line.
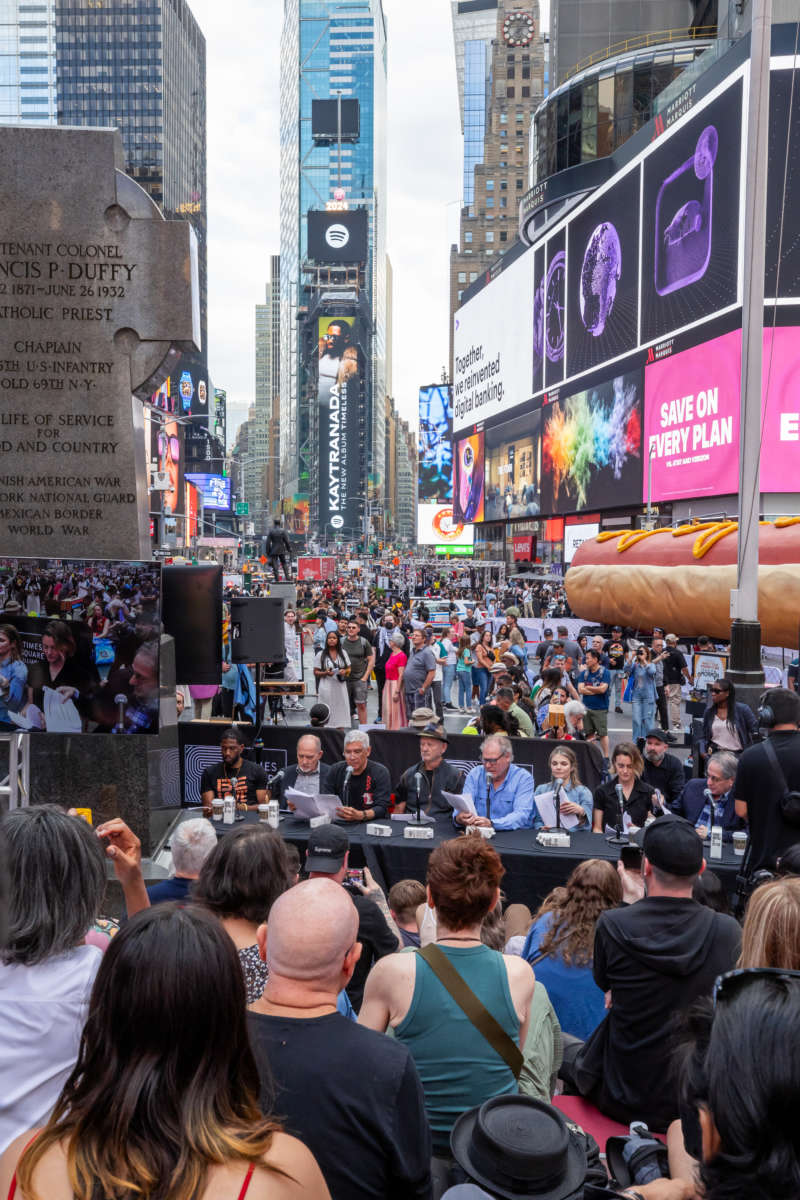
(463, 875)
(593, 887)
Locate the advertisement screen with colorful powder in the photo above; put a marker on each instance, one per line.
(592, 447)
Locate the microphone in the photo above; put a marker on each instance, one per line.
(489, 800)
(620, 797)
(557, 802)
(418, 786)
(121, 701)
(346, 785)
(276, 778)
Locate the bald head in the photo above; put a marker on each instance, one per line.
(311, 928)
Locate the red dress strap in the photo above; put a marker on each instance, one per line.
(245, 1185)
(12, 1191)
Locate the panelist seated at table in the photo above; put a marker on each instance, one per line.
(699, 795)
(575, 799)
(502, 793)
(366, 790)
(433, 773)
(234, 775)
(309, 774)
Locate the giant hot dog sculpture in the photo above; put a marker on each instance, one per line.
(681, 579)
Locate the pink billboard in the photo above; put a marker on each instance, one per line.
(691, 421)
(691, 418)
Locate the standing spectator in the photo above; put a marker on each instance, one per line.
(676, 671)
(598, 642)
(594, 683)
(560, 944)
(501, 793)
(504, 698)
(484, 661)
(190, 846)
(293, 641)
(418, 674)
(362, 659)
(369, 1135)
(542, 650)
(464, 666)
(440, 657)
(457, 1065)
(615, 649)
(656, 652)
(727, 724)
(331, 669)
(625, 799)
(570, 646)
(450, 643)
(760, 791)
(663, 771)
(655, 957)
(643, 700)
(515, 634)
(164, 1096)
(394, 709)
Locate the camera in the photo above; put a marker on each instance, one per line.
(631, 857)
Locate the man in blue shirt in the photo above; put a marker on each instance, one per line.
(191, 844)
(594, 682)
(509, 788)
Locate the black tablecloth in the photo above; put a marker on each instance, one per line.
(531, 870)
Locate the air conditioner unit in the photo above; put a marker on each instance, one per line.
(160, 481)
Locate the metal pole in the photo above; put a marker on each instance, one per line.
(746, 669)
(339, 134)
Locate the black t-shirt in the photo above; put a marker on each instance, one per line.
(353, 1097)
(638, 806)
(249, 778)
(758, 786)
(655, 957)
(674, 664)
(616, 654)
(377, 940)
(374, 781)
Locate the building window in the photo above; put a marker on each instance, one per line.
(462, 276)
(490, 185)
(510, 73)
(490, 201)
(518, 185)
(503, 202)
(509, 91)
(526, 72)
(489, 235)
(468, 236)
(503, 118)
(503, 235)
(503, 185)
(473, 275)
(519, 116)
(460, 294)
(526, 91)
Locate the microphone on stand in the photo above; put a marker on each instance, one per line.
(418, 785)
(619, 838)
(121, 701)
(489, 800)
(276, 778)
(557, 802)
(346, 787)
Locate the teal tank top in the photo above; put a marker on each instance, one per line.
(457, 1066)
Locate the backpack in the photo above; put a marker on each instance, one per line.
(790, 800)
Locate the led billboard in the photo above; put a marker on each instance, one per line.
(339, 381)
(435, 443)
(468, 480)
(214, 489)
(338, 237)
(436, 526)
(513, 467)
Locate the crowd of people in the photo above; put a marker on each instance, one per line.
(79, 646)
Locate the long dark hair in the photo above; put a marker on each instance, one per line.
(339, 659)
(244, 874)
(165, 1085)
(730, 692)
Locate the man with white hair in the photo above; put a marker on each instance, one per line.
(191, 844)
(502, 793)
(351, 1095)
(363, 785)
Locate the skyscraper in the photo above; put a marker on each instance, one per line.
(139, 65)
(500, 70)
(264, 440)
(330, 48)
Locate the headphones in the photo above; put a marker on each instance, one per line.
(764, 712)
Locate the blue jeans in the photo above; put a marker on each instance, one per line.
(644, 714)
(464, 688)
(482, 678)
(448, 679)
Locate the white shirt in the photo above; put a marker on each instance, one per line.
(44, 1009)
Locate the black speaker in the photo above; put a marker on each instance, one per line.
(191, 600)
(257, 634)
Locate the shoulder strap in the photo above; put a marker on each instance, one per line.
(776, 766)
(246, 1184)
(473, 1008)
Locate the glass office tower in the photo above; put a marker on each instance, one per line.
(330, 47)
(139, 65)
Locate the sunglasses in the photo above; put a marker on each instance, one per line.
(727, 986)
(717, 691)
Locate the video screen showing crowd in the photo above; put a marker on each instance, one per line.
(79, 646)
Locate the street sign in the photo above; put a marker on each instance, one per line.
(242, 508)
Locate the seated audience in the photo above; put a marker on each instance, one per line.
(164, 1096)
(574, 798)
(740, 1089)
(405, 898)
(491, 719)
(710, 801)
(625, 800)
(352, 1096)
(560, 944)
(662, 770)
(709, 890)
(361, 783)
(327, 857)
(654, 958)
(457, 1065)
(239, 882)
(504, 698)
(501, 793)
(771, 931)
(190, 846)
(572, 729)
(234, 776)
(433, 773)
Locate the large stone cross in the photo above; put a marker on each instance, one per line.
(98, 293)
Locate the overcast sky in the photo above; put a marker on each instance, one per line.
(424, 155)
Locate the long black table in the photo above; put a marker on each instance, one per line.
(531, 870)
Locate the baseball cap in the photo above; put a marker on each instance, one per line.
(671, 637)
(672, 844)
(657, 733)
(327, 847)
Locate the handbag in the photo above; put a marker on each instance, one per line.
(473, 1008)
(627, 695)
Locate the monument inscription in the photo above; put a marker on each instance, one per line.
(97, 293)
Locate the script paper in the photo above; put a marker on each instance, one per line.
(546, 804)
(312, 806)
(462, 804)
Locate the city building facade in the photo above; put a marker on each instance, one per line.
(407, 473)
(265, 442)
(330, 49)
(500, 70)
